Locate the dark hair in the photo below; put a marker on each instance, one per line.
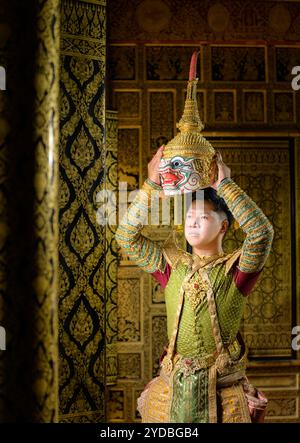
(210, 194)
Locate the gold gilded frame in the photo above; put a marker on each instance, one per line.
(264, 93)
(251, 45)
(166, 45)
(234, 93)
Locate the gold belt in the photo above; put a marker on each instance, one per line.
(189, 365)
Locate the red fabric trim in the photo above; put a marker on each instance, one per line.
(245, 281)
(163, 277)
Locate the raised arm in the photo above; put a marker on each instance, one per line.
(145, 252)
(258, 229)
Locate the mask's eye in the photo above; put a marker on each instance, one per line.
(176, 164)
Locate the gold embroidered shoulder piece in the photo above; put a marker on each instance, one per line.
(229, 258)
(173, 253)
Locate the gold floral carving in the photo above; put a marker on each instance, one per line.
(196, 290)
(82, 245)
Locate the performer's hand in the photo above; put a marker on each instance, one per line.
(153, 166)
(223, 170)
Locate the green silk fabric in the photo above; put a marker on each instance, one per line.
(190, 398)
(195, 338)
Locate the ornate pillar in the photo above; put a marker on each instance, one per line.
(82, 241)
(111, 185)
(29, 50)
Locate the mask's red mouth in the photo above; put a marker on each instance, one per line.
(168, 178)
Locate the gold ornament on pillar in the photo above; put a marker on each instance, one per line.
(188, 161)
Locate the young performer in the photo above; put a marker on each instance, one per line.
(202, 377)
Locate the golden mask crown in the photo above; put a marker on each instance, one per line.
(189, 141)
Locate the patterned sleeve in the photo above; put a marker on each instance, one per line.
(258, 229)
(146, 253)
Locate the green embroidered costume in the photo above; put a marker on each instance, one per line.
(202, 377)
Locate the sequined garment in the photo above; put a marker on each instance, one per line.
(190, 387)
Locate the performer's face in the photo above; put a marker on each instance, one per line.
(178, 175)
(203, 225)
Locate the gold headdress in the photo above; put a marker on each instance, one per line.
(189, 141)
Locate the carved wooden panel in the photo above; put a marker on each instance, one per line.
(129, 142)
(161, 117)
(159, 340)
(238, 63)
(122, 64)
(255, 108)
(129, 310)
(129, 366)
(225, 106)
(280, 383)
(170, 63)
(262, 169)
(286, 58)
(284, 107)
(115, 410)
(128, 103)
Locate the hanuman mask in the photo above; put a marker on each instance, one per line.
(188, 161)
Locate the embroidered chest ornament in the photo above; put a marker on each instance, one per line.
(195, 290)
(188, 160)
